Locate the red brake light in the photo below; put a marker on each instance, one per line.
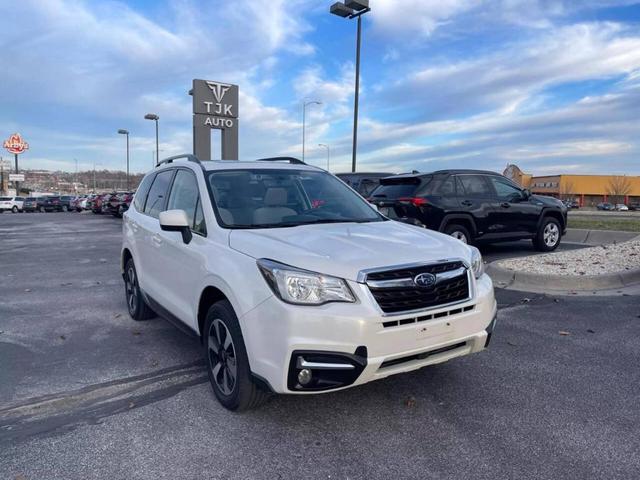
(415, 201)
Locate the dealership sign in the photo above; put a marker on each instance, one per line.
(16, 177)
(215, 106)
(15, 144)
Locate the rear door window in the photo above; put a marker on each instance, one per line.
(475, 186)
(158, 194)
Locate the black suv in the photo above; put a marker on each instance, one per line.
(473, 206)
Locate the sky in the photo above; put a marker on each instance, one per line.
(550, 85)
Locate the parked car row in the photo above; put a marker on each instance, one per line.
(115, 203)
(620, 207)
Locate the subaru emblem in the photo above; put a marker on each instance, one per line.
(425, 280)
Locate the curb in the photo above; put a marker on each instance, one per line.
(597, 237)
(511, 279)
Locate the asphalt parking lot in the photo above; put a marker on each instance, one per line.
(85, 392)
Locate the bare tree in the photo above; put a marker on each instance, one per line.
(567, 190)
(618, 188)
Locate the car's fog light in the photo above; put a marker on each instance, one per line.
(304, 377)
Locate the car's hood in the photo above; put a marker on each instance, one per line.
(545, 200)
(344, 249)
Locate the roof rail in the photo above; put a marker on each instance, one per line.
(188, 156)
(293, 160)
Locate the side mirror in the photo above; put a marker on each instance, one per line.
(176, 221)
(526, 193)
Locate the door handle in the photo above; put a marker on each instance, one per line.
(156, 240)
(467, 203)
(505, 205)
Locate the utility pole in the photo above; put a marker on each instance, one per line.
(94, 175)
(17, 183)
(1, 176)
(353, 9)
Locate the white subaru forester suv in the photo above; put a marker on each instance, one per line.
(293, 282)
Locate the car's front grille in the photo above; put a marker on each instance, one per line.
(414, 270)
(395, 291)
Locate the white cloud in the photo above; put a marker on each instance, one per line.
(416, 16)
(507, 79)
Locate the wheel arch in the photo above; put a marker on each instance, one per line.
(124, 258)
(553, 214)
(208, 297)
(463, 219)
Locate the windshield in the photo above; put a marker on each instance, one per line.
(5, 199)
(285, 198)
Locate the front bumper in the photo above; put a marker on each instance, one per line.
(276, 333)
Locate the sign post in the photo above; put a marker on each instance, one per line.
(215, 106)
(16, 145)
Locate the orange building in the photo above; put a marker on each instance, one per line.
(588, 190)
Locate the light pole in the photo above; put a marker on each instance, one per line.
(153, 116)
(304, 120)
(328, 153)
(353, 9)
(126, 132)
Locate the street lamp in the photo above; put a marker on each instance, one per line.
(353, 9)
(328, 153)
(125, 132)
(304, 119)
(153, 116)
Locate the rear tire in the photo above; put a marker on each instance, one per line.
(14, 209)
(227, 360)
(549, 234)
(459, 232)
(65, 208)
(138, 308)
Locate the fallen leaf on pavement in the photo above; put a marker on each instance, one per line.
(117, 315)
(410, 402)
(136, 332)
(591, 331)
(562, 332)
(62, 337)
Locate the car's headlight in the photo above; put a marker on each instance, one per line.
(476, 262)
(302, 287)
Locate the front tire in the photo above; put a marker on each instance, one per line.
(138, 308)
(459, 232)
(14, 209)
(227, 360)
(548, 237)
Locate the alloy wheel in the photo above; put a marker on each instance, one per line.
(460, 236)
(222, 357)
(550, 234)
